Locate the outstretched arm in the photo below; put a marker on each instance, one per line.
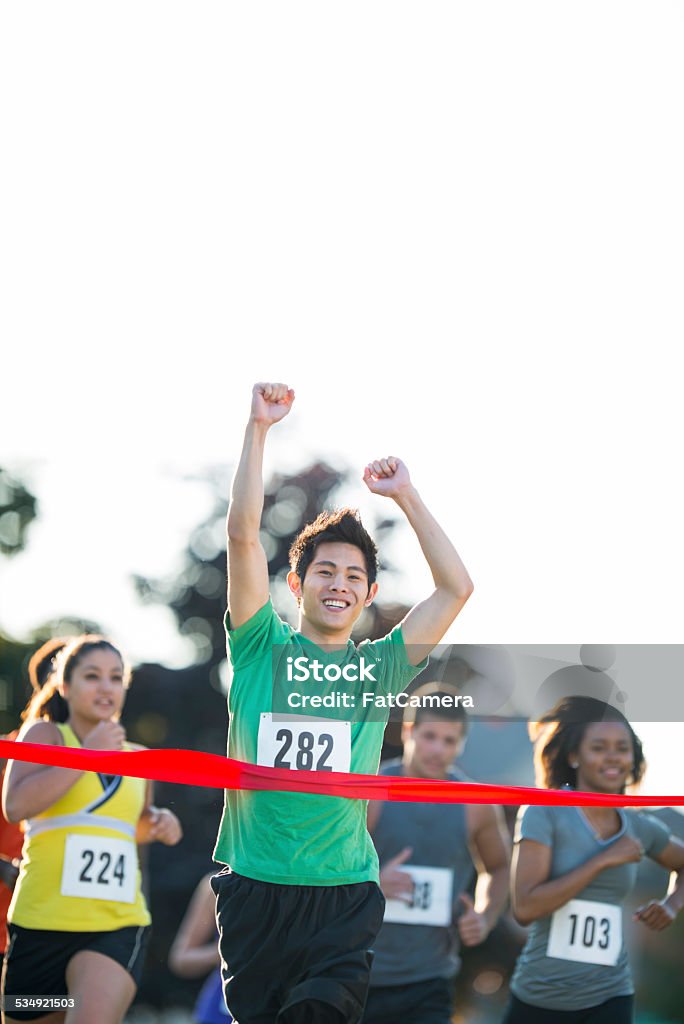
(247, 563)
(428, 621)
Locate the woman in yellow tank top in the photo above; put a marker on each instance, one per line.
(78, 922)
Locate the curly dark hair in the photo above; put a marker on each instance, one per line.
(341, 526)
(559, 733)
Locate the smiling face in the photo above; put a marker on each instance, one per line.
(604, 758)
(430, 747)
(334, 592)
(95, 689)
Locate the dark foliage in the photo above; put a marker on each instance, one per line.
(18, 509)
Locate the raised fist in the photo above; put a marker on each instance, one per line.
(271, 402)
(388, 477)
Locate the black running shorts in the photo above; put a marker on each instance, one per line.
(420, 1002)
(295, 953)
(618, 1010)
(36, 960)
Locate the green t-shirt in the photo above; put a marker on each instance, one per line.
(304, 838)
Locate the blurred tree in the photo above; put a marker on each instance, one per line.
(15, 689)
(18, 509)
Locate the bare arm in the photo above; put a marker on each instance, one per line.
(491, 848)
(28, 788)
(534, 896)
(373, 815)
(394, 883)
(428, 621)
(658, 914)
(247, 563)
(195, 948)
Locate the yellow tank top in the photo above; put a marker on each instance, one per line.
(79, 868)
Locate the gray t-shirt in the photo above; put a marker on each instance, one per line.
(576, 958)
(438, 835)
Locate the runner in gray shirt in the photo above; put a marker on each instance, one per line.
(429, 855)
(574, 867)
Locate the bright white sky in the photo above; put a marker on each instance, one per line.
(454, 229)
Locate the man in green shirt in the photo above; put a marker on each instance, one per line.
(299, 906)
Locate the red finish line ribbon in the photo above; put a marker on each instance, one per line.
(195, 768)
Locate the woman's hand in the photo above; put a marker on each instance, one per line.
(105, 736)
(625, 850)
(164, 827)
(656, 915)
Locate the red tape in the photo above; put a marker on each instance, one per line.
(194, 768)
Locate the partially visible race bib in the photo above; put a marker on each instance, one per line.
(587, 932)
(432, 898)
(100, 868)
(304, 744)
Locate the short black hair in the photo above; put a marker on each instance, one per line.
(436, 709)
(340, 526)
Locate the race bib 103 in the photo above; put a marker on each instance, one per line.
(587, 932)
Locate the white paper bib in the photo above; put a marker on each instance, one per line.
(432, 898)
(304, 744)
(587, 932)
(100, 868)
